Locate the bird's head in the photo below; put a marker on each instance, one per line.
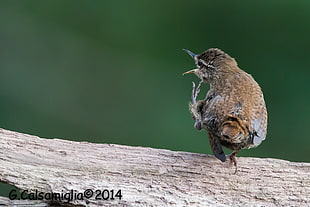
(212, 65)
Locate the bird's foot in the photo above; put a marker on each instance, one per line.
(195, 91)
(233, 159)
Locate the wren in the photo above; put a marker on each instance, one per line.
(233, 112)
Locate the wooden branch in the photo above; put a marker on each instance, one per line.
(145, 176)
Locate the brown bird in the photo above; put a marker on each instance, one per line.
(234, 111)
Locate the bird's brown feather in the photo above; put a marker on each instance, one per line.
(234, 111)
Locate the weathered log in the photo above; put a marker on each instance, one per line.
(143, 176)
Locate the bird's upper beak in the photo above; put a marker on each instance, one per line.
(190, 71)
(190, 53)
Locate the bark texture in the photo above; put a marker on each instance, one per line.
(145, 176)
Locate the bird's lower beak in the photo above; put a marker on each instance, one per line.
(190, 71)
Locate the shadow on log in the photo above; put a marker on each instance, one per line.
(141, 176)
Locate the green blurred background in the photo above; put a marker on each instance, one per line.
(110, 71)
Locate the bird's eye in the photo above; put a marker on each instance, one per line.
(199, 63)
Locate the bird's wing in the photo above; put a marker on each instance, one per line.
(230, 122)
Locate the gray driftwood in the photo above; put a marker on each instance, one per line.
(146, 176)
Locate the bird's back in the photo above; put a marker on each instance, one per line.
(236, 112)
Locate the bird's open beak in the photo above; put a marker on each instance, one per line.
(190, 71)
(190, 53)
(193, 55)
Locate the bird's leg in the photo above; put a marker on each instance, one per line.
(194, 95)
(196, 107)
(233, 159)
(195, 91)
